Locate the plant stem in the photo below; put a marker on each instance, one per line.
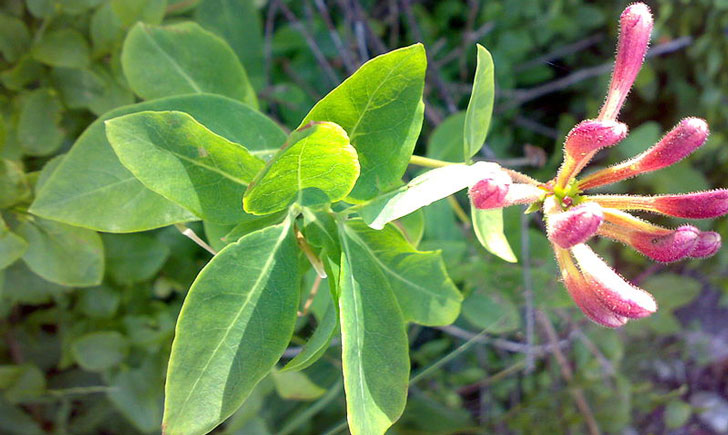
(187, 232)
(428, 162)
(459, 211)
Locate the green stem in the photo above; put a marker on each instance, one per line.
(428, 162)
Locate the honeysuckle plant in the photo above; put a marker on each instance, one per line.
(573, 216)
(282, 211)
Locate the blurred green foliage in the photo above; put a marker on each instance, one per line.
(86, 319)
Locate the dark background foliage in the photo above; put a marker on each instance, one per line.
(520, 358)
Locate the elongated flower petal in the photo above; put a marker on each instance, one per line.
(635, 25)
(613, 291)
(698, 205)
(682, 140)
(708, 244)
(583, 141)
(583, 293)
(575, 225)
(660, 244)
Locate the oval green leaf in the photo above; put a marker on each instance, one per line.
(234, 326)
(177, 157)
(488, 227)
(318, 166)
(374, 348)
(182, 58)
(480, 106)
(91, 188)
(380, 107)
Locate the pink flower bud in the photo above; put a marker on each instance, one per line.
(668, 248)
(708, 244)
(583, 294)
(682, 140)
(490, 192)
(592, 135)
(614, 292)
(575, 225)
(698, 205)
(634, 37)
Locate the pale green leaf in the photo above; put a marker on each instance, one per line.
(234, 326)
(138, 394)
(38, 128)
(99, 302)
(146, 11)
(25, 287)
(63, 254)
(317, 344)
(14, 186)
(491, 312)
(480, 106)
(99, 351)
(380, 107)
(318, 166)
(238, 22)
(12, 246)
(64, 47)
(429, 187)
(133, 258)
(446, 140)
(374, 348)
(91, 188)
(177, 157)
(488, 227)
(296, 386)
(14, 38)
(424, 291)
(182, 58)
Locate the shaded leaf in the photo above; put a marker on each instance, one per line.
(488, 227)
(63, 254)
(182, 58)
(243, 303)
(38, 123)
(91, 188)
(146, 11)
(177, 157)
(99, 351)
(12, 246)
(14, 38)
(132, 258)
(296, 386)
(138, 393)
(380, 107)
(63, 47)
(318, 343)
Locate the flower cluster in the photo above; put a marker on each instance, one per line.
(573, 217)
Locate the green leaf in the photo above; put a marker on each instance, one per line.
(38, 123)
(106, 30)
(374, 348)
(412, 227)
(318, 166)
(380, 107)
(132, 258)
(317, 344)
(177, 157)
(14, 187)
(99, 351)
(182, 58)
(76, 7)
(429, 187)
(99, 302)
(480, 106)
(296, 386)
(138, 393)
(12, 246)
(234, 325)
(63, 254)
(14, 421)
(95, 90)
(63, 47)
(131, 11)
(14, 38)
(672, 291)
(491, 312)
(446, 140)
(91, 188)
(488, 227)
(238, 23)
(25, 287)
(24, 383)
(424, 291)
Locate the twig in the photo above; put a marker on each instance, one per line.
(311, 296)
(513, 368)
(457, 53)
(316, 263)
(335, 37)
(459, 212)
(560, 52)
(507, 345)
(528, 288)
(467, 36)
(520, 96)
(187, 232)
(576, 393)
(536, 127)
(320, 58)
(393, 23)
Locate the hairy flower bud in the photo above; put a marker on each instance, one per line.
(592, 135)
(708, 244)
(677, 144)
(575, 225)
(583, 293)
(490, 192)
(614, 292)
(635, 25)
(698, 205)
